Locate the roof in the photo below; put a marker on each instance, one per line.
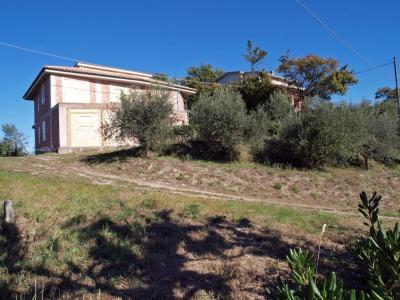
(275, 79)
(99, 72)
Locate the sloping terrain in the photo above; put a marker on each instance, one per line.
(112, 227)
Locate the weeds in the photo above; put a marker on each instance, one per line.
(191, 211)
(278, 186)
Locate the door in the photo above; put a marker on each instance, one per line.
(85, 129)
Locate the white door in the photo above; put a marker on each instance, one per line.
(85, 129)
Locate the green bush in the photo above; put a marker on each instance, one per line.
(142, 116)
(220, 121)
(183, 133)
(379, 253)
(328, 134)
(307, 285)
(191, 211)
(256, 89)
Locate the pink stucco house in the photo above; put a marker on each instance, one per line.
(71, 104)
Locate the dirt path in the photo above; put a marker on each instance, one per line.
(103, 178)
(50, 164)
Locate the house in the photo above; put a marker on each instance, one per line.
(72, 103)
(279, 82)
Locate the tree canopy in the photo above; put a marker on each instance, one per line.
(317, 76)
(142, 116)
(203, 79)
(385, 94)
(256, 88)
(14, 142)
(254, 55)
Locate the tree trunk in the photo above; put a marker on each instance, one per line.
(366, 162)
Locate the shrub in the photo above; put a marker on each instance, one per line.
(183, 133)
(220, 120)
(379, 253)
(377, 133)
(306, 285)
(191, 211)
(257, 130)
(142, 116)
(256, 88)
(266, 121)
(329, 134)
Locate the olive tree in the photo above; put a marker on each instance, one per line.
(220, 121)
(145, 117)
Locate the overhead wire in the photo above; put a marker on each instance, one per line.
(331, 31)
(182, 80)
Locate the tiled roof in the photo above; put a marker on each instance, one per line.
(102, 71)
(90, 71)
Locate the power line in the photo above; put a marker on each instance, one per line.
(331, 31)
(374, 68)
(181, 80)
(37, 51)
(75, 60)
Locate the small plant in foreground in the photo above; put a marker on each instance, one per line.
(379, 253)
(278, 186)
(191, 211)
(308, 286)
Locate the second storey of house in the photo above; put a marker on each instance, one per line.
(94, 86)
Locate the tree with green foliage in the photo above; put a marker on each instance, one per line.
(267, 120)
(220, 121)
(312, 139)
(385, 94)
(336, 134)
(256, 88)
(14, 142)
(145, 117)
(203, 79)
(254, 55)
(160, 76)
(317, 76)
(377, 133)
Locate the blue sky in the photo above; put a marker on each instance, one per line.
(170, 36)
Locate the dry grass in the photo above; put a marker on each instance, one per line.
(80, 236)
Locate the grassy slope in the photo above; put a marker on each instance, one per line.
(78, 238)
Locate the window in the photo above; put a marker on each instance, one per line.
(43, 130)
(42, 94)
(38, 132)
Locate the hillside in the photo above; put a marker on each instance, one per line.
(111, 226)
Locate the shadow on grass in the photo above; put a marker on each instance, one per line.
(12, 252)
(206, 151)
(148, 258)
(111, 157)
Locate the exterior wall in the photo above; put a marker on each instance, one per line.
(43, 118)
(64, 95)
(65, 111)
(230, 78)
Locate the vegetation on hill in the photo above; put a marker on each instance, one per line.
(145, 117)
(317, 76)
(378, 256)
(14, 142)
